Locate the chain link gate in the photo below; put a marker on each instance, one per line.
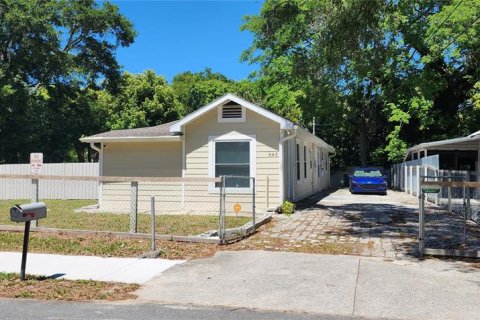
(449, 226)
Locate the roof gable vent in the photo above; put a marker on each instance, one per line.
(231, 112)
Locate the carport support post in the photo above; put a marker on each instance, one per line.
(421, 224)
(35, 195)
(152, 222)
(133, 206)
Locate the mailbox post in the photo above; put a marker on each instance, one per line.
(26, 213)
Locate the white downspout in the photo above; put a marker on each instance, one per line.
(280, 150)
(100, 170)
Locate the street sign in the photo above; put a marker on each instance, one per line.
(36, 162)
(431, 189)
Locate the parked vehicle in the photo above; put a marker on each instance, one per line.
(368, 180)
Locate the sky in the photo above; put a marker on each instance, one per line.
(177, 36)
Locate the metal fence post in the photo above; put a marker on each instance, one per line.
(253, 203)
(133, 206)
(221, 225)
(35, 194)
(152, 222)
(421, 224)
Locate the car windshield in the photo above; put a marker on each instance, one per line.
(367, 173)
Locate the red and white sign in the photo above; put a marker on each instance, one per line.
(36, 162)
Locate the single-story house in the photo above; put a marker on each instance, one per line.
(454, 154)
(229, 136)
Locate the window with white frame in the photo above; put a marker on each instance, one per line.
(233, 156)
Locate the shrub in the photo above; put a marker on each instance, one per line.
(287, 208)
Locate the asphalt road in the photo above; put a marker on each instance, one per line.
(20, 309)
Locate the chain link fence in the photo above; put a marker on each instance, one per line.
(210, 207)
(449, 215)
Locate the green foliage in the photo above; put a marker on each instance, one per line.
(287, 208)
(51, 52)
(380, 75)
(194, 90)
(142, 100)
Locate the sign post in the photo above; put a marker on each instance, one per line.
(36, 162)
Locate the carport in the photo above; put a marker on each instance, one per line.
(454, 154)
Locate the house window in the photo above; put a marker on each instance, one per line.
(298, 161)
(305, 162)
(318, 164)
(231, 112)
(310, 158)
(232, 156)
(233, 159)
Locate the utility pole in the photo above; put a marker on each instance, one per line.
(313, 130)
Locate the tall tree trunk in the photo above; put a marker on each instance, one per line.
(363, 142)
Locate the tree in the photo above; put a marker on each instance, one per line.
(51, 52)
(194, 90)
(142, 100)
(398, 72)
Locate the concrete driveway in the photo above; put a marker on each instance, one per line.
(322, 284)
(380, 226)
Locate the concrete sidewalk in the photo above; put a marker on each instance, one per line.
(128, 270)
(323, 284)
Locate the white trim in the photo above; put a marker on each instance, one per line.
(284, 123)
(234, 137)
(220, 118)
(129, 139)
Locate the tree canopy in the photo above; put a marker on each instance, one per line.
(379, 74)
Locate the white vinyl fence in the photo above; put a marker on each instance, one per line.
(405, 176)
(59, 189)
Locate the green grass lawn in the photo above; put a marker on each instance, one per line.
(61, 215)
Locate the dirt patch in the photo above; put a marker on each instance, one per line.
(43, 288)
(262, 241)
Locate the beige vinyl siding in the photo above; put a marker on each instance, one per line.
(142, 159)
(313, 183)
(267, 134)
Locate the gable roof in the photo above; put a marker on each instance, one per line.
(172, 131)
(160, 132)
(284, 123)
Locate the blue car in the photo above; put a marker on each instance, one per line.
(368, 180)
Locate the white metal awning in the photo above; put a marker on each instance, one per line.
(468, 143)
